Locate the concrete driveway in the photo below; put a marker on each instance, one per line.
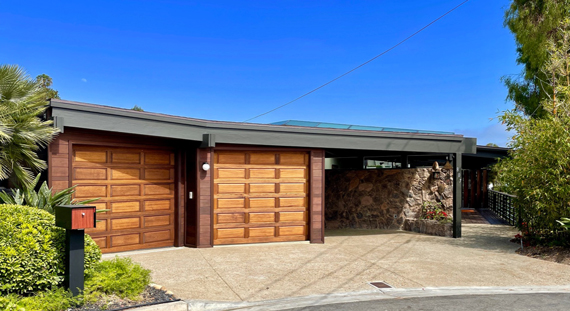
(346, 263)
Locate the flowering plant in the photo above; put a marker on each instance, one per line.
(434, 211)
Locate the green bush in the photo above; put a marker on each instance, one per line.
(51, 300)
(119, 276)
(32, 250)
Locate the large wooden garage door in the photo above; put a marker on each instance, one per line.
(260, 197)
(136, 185)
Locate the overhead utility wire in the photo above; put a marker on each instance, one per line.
(361, 65)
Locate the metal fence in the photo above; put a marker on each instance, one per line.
(502, 204)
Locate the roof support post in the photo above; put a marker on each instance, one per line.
(456, 193)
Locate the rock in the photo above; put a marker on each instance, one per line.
(366, 201)
(365, 187)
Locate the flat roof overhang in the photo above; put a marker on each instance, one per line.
(104, 118)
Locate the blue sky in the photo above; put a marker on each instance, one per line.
(232, 60)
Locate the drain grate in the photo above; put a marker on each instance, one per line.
(380, 284)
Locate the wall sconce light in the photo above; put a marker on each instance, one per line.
(206, 166)
(436, 172)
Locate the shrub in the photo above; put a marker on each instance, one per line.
(119, 276)
(32, 250)
(52, 300)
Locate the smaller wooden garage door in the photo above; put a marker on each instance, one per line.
(260, 197)
(136, 185)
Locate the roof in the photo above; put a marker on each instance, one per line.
(106, 118)
(355, 127)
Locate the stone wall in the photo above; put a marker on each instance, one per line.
(382, 199)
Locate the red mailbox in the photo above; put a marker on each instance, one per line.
(75, 217)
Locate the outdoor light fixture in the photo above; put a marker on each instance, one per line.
(206, 166)
(436, 172)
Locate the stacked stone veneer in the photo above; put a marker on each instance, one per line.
(382, 199)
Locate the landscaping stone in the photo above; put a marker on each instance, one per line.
(383, 199)
(426, 226)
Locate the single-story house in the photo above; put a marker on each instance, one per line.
(176, 181)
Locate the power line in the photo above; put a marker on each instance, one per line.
(361, 65)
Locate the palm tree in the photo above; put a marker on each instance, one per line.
(22, 130)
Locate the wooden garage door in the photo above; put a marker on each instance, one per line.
(136, 185)
(260, 197)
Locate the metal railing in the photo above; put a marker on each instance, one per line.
(502, 204)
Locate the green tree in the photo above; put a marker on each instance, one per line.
(492, 145)
(45, 83)
(137, 108)
(22, 130)
(533, 23)
(538, 169)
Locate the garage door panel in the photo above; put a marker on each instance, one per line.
(230, 233)
(90, 191)
(292, 216)
(292, 230)
(292, 202)
(125, 207)
(125, 174)
(90, 174)
(157, 205)
(157, 221)
(231, 188)
(125, 223)
(230, 218)
(262, 173)
(261, 202)
(268, 232)
(136, 185)
(125, 239)
(126, 157)
(100, 226)
(90, 156)
(159, 189)
(157, 236)
(262, 188)
(292, 188)
(261, 217)
(273, 186)
(262, 158)
(158, 174)
(125, 190)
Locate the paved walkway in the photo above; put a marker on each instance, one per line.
(347, 262)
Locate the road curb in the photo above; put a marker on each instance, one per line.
(391, 293)
(169, 306)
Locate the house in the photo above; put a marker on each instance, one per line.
(176, 181)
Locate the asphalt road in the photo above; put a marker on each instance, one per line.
(502, 302)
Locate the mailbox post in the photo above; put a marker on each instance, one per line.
(75, 219)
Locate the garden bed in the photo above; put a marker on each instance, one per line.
(428, 226)
(554, 253)
(151, 295)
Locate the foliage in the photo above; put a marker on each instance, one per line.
(434, 211)
(119, 276)
(492, 145)
(565, 223)
(137, 108)
(22, 131)
(50, 300)
(45, 82)
(533, 23)
(32, 250)
(43, 198)
(538, 169)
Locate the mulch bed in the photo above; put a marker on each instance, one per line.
(555, 253)
(150, 295)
